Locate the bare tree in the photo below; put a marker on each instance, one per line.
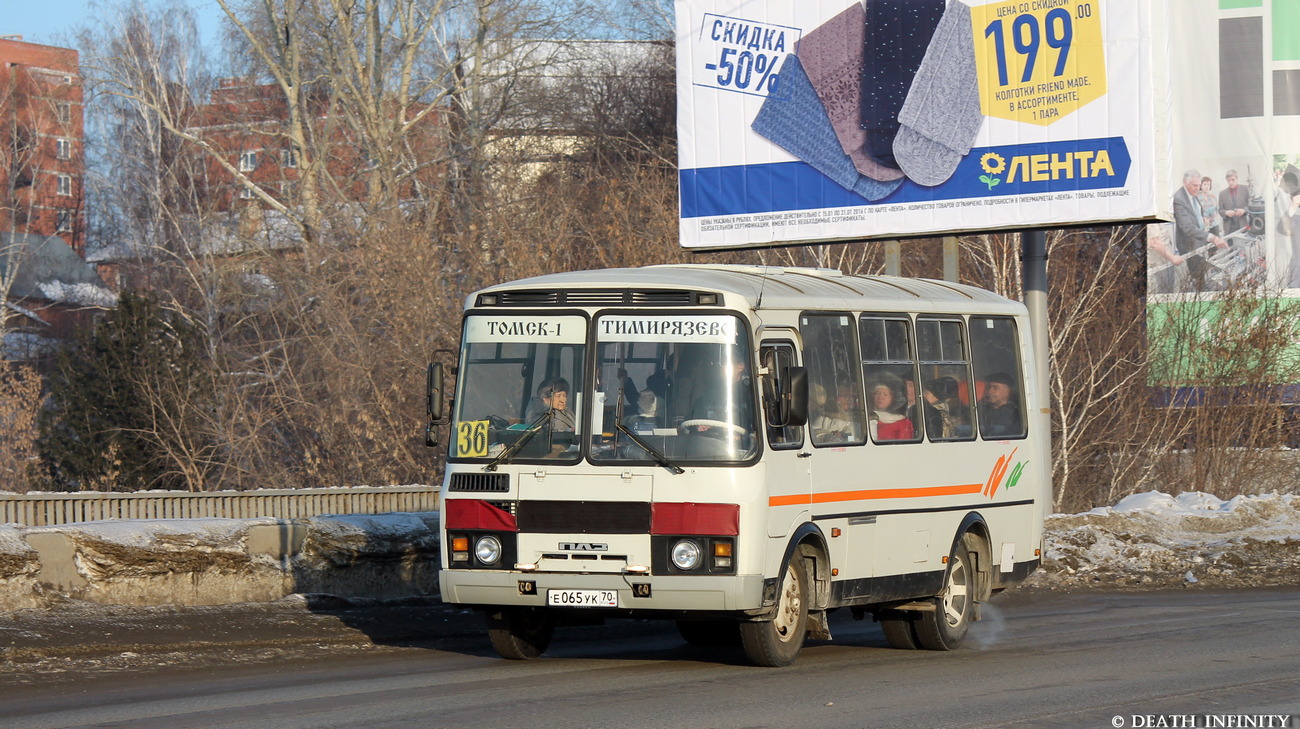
(23, 124)
(145, 66)
(20, 402)
(1224, 360)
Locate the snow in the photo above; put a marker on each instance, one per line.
(11, 540)
(80, 294)
(18, 346)
(143, 534)
(1158, 540)
(378, 526)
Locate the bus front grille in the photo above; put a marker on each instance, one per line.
(491, 482)
(584, 517)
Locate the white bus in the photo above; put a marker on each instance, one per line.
(742, 450)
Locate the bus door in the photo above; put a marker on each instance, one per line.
(842, 467)
(788, 468)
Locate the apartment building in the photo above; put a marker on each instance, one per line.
(42, 160)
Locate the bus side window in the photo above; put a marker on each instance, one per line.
(996, 359)
(889, 368)
(945, 379)
(835, 413)
(776, 356)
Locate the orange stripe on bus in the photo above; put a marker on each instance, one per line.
(789, 500)
(913, 493)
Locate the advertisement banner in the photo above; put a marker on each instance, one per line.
(1224, 275)
(828, 120)
(1235, 128)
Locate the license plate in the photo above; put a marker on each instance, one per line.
(582, 598)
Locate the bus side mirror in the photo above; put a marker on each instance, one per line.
(785, 397)
(795, 396)
(434, 404)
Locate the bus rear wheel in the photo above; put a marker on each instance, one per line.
(945, 627)
(520, 633)
(777, 642)
(899, 632)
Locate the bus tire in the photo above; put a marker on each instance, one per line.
(900, 633)
(777, 642)
(945, 627)
(710, 633)
(520, 633)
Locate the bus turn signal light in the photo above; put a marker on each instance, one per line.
(722, 554)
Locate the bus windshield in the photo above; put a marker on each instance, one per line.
(682, 384)
(520, 388)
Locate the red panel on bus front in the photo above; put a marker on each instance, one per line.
(698, 519)
(477, 514)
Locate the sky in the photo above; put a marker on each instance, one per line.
(55, 22)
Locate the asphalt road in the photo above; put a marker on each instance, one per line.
(1038, 660)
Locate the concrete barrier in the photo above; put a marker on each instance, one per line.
(218, 561)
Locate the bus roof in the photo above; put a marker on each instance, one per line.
(753, 287)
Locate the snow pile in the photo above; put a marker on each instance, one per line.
(342, 540)
(109, 550)
(376, 527)
(164, 535)
(1155, 540)
(80, 294)
(16, 558)
(218, 561)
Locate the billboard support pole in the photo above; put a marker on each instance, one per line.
(951, 250)
(893, 258)
(1033, 261)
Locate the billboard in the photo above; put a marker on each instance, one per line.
(839, 119)
(1223, 277)
(1235, 132)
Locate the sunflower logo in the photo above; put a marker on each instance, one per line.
(993, 164)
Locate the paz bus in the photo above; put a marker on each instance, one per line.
(742, 450)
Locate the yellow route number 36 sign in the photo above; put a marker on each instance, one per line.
(472, 438)
(1039, 60)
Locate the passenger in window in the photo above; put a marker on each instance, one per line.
(888, 420)
(681, 393)
(942, 408)
(627, 386)
(829, 423)
(553, 396)
(659, 382)
(648, 419)
(913, 410)
(725, 399)
(999, 409)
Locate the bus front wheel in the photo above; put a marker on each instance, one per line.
(520, 634)
(945, 627)
(777, 642)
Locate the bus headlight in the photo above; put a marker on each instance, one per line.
(488, 549)
(686, 555)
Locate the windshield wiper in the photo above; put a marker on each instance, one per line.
(505, 455)
(660, 458)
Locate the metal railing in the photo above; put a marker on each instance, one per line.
(53, 509)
